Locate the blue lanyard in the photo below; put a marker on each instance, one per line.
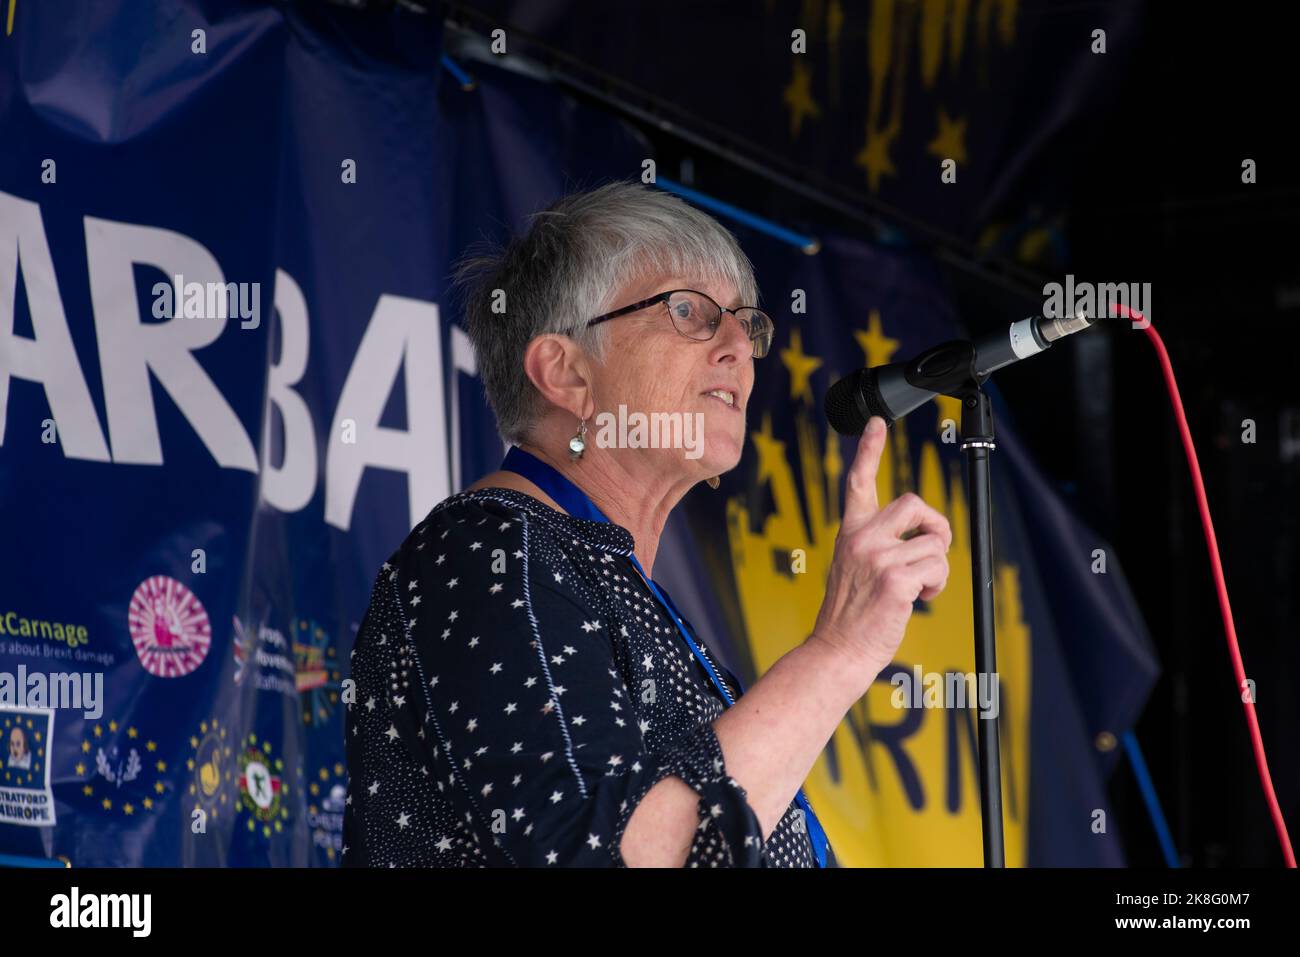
(576, 502)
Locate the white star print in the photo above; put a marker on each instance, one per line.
(530, 746)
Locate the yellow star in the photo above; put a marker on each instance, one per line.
(950, 141)
(798, 97)
(800, 367)
(875, 346)
(128, 808)
(874, 157)
(81, 768)
(771, 450)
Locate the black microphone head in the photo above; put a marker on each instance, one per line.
(850, 402)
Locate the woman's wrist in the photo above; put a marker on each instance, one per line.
(848, 673)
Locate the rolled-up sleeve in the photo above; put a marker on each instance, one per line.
(524, 723)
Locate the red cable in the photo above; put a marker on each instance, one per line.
(1212, 544)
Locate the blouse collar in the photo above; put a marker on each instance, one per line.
(607, 536)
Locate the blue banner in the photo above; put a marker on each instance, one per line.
(231, 381)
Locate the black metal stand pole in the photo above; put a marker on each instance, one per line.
(977, 444)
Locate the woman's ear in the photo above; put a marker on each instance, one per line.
(559, 369)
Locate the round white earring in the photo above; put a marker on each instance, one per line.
(578, 444)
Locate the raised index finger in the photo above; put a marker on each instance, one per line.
(860, 499)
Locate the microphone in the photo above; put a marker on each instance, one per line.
(891, 391)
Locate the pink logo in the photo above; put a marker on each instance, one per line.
(169, 627)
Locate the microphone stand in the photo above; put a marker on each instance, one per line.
(949, 369)
(977, 444)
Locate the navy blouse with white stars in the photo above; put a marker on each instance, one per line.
(518, 690)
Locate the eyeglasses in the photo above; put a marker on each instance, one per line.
(697, 316)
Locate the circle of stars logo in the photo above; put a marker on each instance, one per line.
(262, 787)
(211, 767)
(124, 775)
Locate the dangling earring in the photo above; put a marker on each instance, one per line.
(578, 444)
(714, 482)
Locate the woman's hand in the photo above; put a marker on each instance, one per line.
(875, 576)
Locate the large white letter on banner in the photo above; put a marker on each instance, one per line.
(130, 349)
(290, 485)
(49, 358)
(402, 334)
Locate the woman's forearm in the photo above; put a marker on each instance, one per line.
(770, 739)
(772, 735)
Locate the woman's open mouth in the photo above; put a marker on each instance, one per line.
(725, 396)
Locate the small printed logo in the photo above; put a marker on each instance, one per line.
(25, 795)
(169, 627)
(317, 674)
(211, 765)
(262, 787)
(121, 772)
(326, 801)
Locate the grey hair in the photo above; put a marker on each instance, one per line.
(566, 269)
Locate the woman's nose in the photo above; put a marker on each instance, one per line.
(734, 336)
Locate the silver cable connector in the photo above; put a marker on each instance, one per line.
(1053, 329)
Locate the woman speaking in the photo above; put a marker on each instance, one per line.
(525, 693)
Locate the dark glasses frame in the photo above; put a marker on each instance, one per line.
(761, 348)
